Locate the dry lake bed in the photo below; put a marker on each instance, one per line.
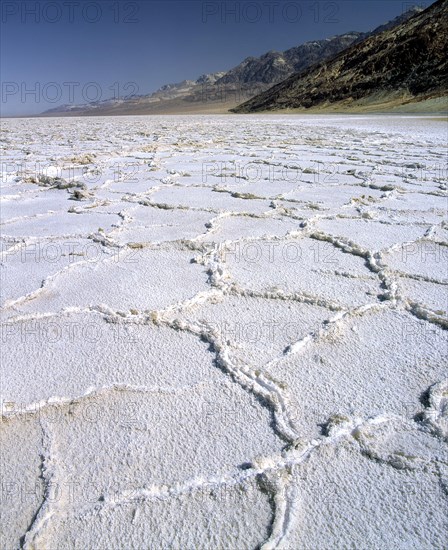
(224, 332)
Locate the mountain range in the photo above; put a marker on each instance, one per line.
(222, 89)
(404, 64)
(253, 84)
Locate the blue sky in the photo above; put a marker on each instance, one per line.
(72, 50)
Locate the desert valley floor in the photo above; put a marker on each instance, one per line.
(224, 332)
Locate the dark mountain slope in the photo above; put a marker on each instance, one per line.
(402, 64)
(273, 67)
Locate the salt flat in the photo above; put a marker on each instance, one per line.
(224, 332)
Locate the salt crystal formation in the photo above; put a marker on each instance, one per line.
(224, 332)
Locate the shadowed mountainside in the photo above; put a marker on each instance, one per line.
(403, 64)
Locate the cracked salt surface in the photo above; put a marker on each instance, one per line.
(224, 332)
(26, 266)
(302, 265)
